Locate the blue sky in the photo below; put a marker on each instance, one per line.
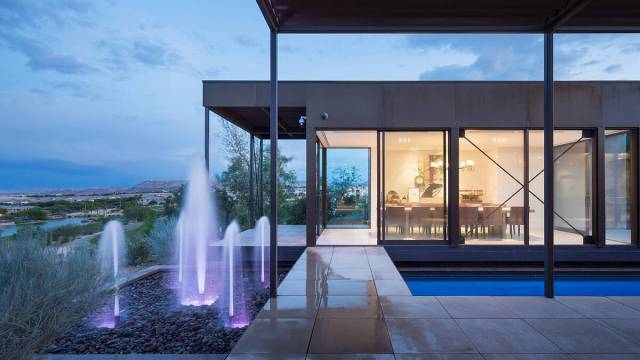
(96, 93)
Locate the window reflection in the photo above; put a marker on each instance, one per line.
(618, 182)
(572, 153)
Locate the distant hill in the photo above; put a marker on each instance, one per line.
(156, 186)
(147, 186)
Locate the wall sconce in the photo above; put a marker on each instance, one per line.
(466, 165)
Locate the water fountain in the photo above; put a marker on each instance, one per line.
(112, 253)
(234, 266)
(196, 230)
(262, 239)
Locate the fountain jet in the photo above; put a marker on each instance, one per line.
(262, 239)
(196, 230)
(113, 253)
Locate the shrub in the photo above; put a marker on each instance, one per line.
(42, 292)
(137, 248)
(66, 233)
(161, 238)
(139, 213)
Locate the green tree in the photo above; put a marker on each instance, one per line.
(341, 188)
(232, 185)
(173, 205)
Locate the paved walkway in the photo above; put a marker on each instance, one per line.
(351, 303)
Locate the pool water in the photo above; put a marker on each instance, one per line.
(521, 285)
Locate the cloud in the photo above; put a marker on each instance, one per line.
(149, 52)
(23, 13)
(153, 53)
(42, 58)
(497, 57)
(613, 68)
(246, 41)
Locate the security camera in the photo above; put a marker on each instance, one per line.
(302, 120)
(324, 116)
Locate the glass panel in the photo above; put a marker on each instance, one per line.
(348, 187)
(618, 182)
(572, 187)
(414, 184)
(492, 187)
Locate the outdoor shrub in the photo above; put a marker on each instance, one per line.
(161, 238)
(42, 293)
(138, 251)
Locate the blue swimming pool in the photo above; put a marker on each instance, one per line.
(521, 285)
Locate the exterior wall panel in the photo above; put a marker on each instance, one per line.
(417, 106)
(577, 105)
(620, 104)
(487, 105)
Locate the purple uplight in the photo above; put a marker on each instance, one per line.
(239, 321)
(199, 301)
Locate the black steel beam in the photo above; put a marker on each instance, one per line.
(526, 187)
(598, 189)
(252, 189)
(273, 200)
(206, 138)
(548, 166)
(269, 16)
(261, 181)
(453, 214)
(635, 186)
(565, 14)
(378, 187)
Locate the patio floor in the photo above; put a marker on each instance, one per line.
(351, 303)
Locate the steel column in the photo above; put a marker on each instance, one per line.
(453, 215)
(526, 187)
(598, 189)
(261, 181)
(273, 132)
(206, 139)
(635, 186)
(548, 166)
(378, 187)
(252, 190)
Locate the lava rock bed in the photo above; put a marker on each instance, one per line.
(153, 321)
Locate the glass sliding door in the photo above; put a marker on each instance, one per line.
(573, 187)
(414, 185)
(348, 187)
(492, 209)
(619, 180)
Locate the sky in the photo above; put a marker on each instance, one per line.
(109, 93)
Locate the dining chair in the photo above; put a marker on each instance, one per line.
(438, 219)
(492, 218)
(394, 217)
(516, 218)
(420, 217)
(469, 219)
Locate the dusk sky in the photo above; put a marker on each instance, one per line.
(97, 93)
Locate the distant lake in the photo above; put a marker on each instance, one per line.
(47, 225)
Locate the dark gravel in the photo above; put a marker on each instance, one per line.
(153, 321)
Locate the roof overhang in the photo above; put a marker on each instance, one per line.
(451, 16)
